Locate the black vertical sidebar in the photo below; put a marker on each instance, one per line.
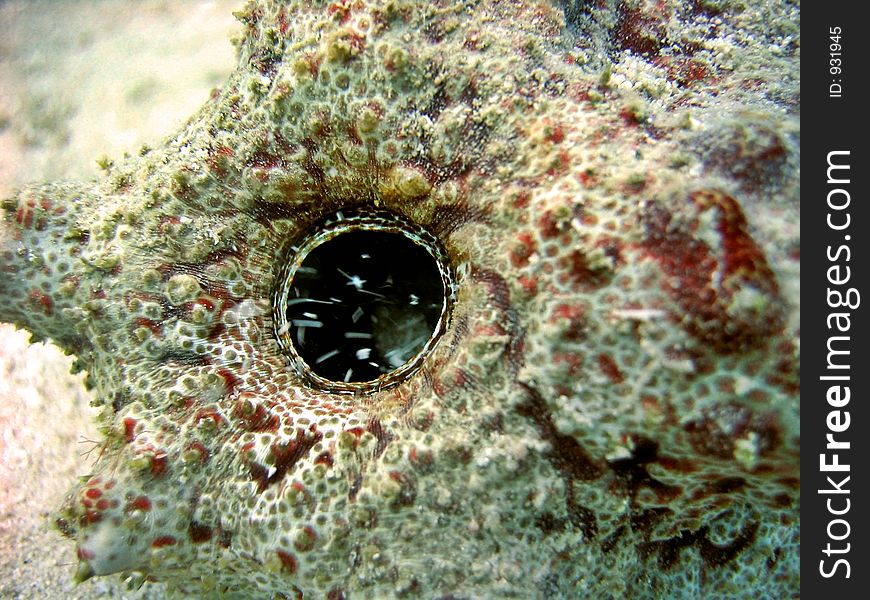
(835, 299)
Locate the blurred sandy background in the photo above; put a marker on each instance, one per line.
(80, 79)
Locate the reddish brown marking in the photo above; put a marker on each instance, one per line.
(575, 315)
(209, 413)
(206, 303)
(335, 593)
(306, 541)
(93, 493)
(231, 382)
(640, 32)
(383, 436)
(522, 200)
(153, 326)
(324, 458)
(159, 463)
(581, 274)
(199, 533)
(609, 367)
(523, 249)
(407, 488)
(717, 430)
(554, 133)
(743, 257)
(548, 225)
(285, 457)
(629, 116)
(529, 285)
(163, 540)
(200, 448)
(129, 429)
(704, 288)
(139, 503)
(288, 561)
(283, 22)
(563, 164)
(43, 301)
(258, 420)
(24, 215)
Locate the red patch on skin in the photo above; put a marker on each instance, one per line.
(307, 540)
(703, 281)
(717, 430)
(84, 554)
(579, 272)
(288, 561)
(629, 116)
(575, 315)
(548, 226)
(357, 431)
(555, 134)
(639, 31)
(159, 463)
(206, 303)
(164, 540)
(562, 165)
(24, 214)
(573, 362)
(529, 285)
(231, 382)
(42, 301)
(285, 456)
(198, 447)
(199, 533)
(93, 493)
(522, 200)
(335, 594)
(283, 23)
(407, 488)
(258, 420)
(521, 252)
(608, 367)
(208, 413)
(324, 458)
(686, 70)
(149, 324)
(129, 429)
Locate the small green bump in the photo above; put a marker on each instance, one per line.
(604, 78)
(105, 163)
(182, 288)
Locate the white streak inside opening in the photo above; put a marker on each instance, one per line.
(307, 323)
(326, 356)
(358, 335)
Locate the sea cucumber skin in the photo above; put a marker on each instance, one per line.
(612, 410)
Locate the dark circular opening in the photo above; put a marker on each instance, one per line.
(361, 301)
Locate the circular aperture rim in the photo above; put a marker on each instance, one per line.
(340, 223)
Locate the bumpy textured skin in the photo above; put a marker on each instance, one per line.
(613, 409)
